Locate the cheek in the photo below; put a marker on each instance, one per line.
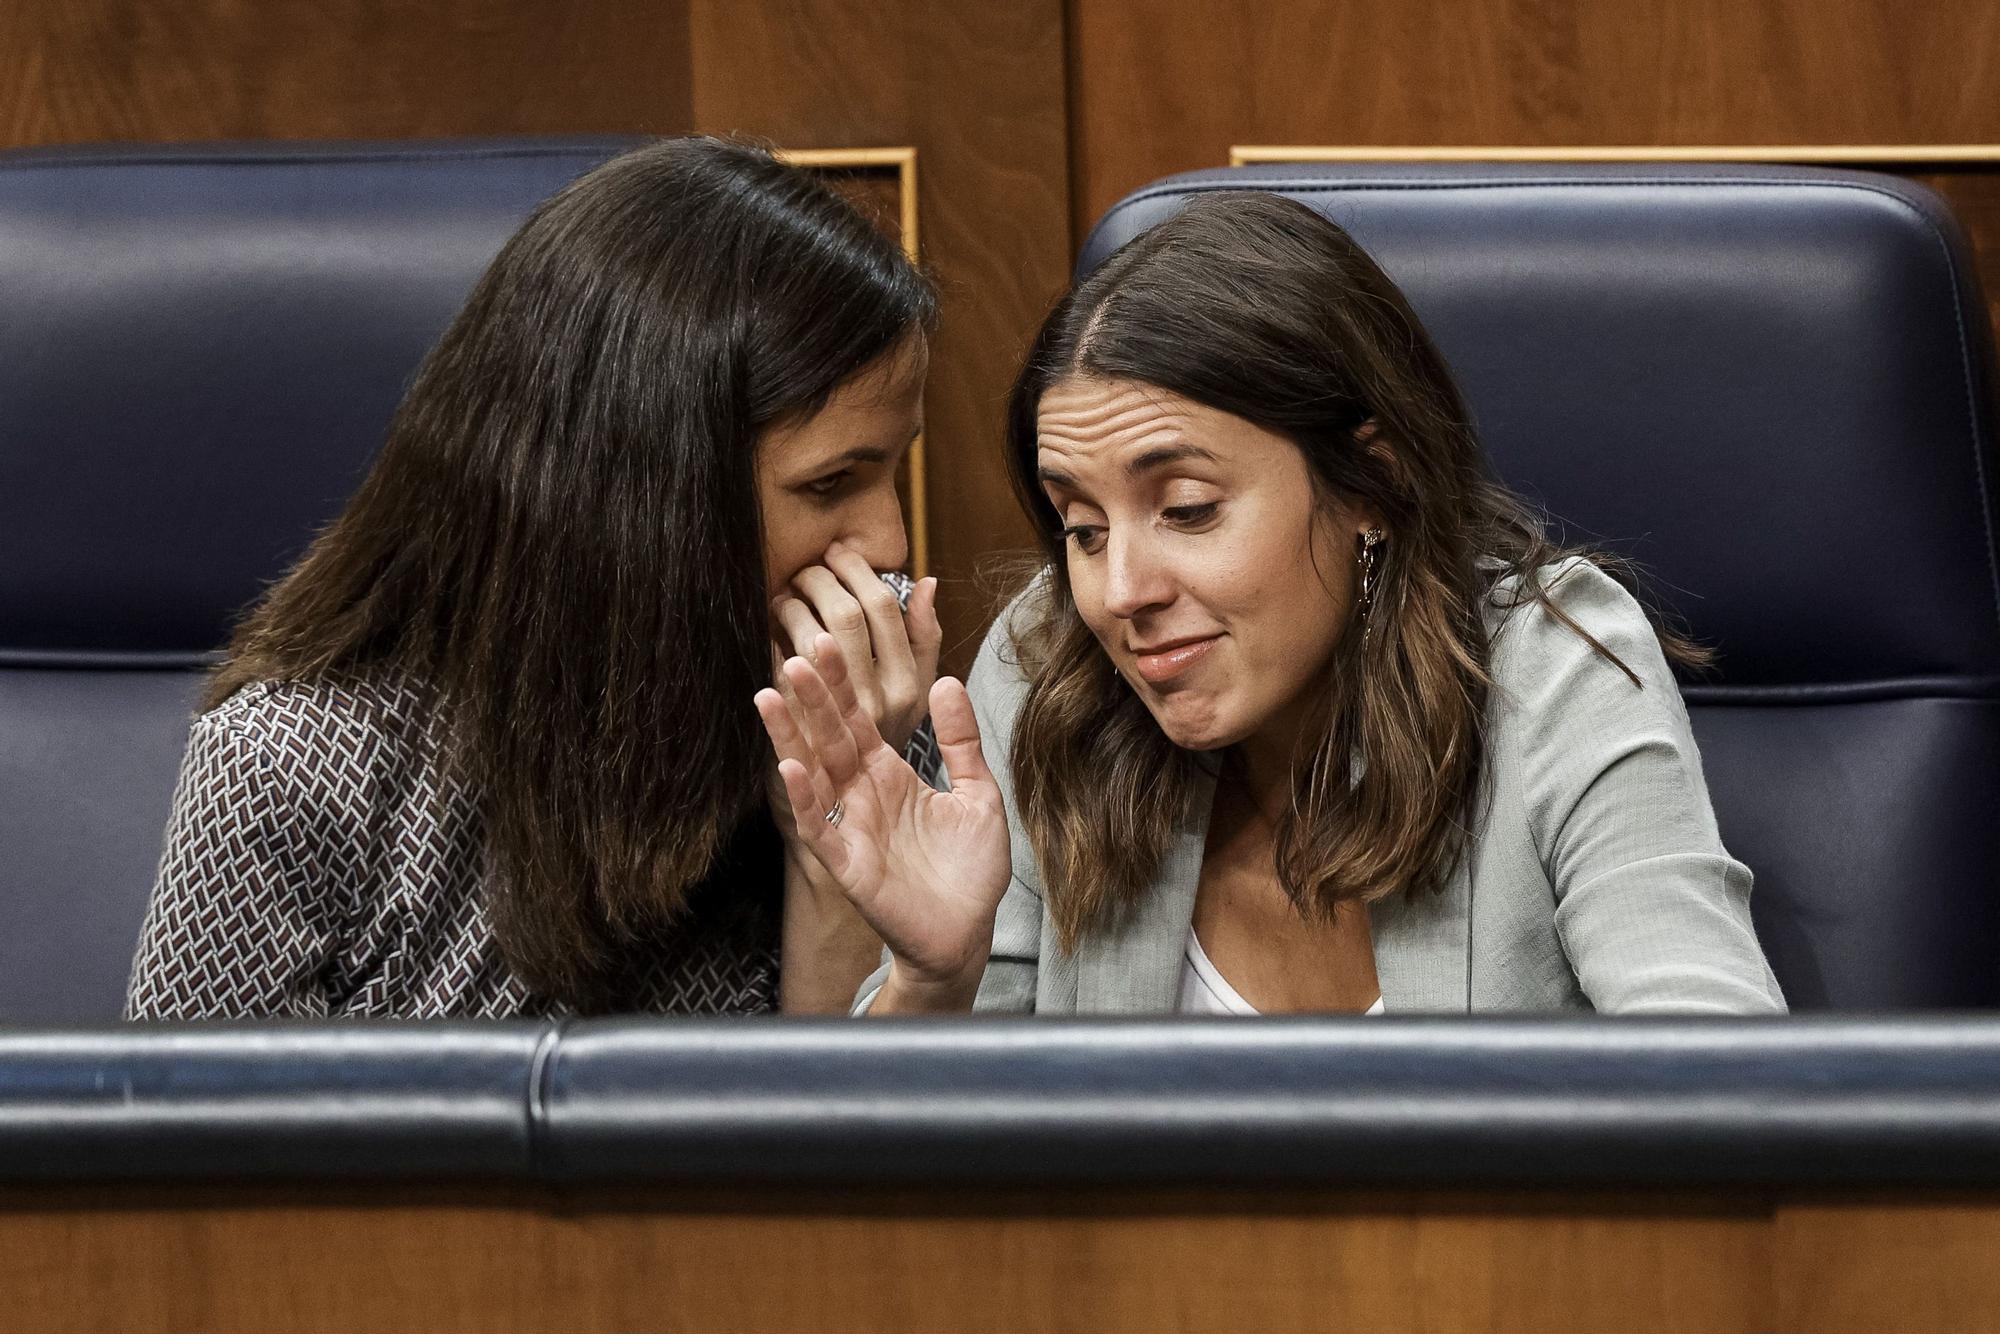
(1286, 589)
(1314, 595)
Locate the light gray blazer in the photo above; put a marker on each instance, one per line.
(1595, 878)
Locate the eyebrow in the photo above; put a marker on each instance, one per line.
(871, 453)
(858, 454)
(1158, 457)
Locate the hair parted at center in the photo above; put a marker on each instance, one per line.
(1255, 305)
(560, 542)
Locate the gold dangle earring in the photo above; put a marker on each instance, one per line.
(1368, 555)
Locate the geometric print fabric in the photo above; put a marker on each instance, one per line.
(320, 862)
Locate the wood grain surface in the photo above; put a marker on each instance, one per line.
(1101, 1263)
(79, 70)
(1168, 85)
(1909, 1266)
(1383, 1265)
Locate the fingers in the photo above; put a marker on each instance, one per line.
(833, 725)
(789, 741)
(957, 732)
(799, 625)
(822, 838)
(830, 667)
(888, 634)
(926, 633)
(844, 617)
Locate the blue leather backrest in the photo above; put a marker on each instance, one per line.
(201, 348)
(1772, 387)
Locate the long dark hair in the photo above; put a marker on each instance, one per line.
(560, 540)
(1257, 306)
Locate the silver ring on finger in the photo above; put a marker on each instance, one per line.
(834, 814)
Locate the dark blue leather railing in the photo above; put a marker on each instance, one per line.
(1812, 1101)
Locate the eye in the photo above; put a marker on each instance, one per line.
(1087, 538)
(1190, 516)
(827, 485)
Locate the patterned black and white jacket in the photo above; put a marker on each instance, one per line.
(321, 861)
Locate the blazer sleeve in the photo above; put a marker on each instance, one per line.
(237, 926)
(1651, 910)
(998, 688)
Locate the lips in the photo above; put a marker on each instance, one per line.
(1161, 663)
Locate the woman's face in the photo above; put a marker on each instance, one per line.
(831, 477)
(1198, 555)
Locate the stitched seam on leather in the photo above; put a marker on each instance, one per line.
(1976, 691)
(108, 660)
(1279, 185)
(541, 1074)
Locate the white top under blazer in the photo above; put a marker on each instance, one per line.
(1204, 990)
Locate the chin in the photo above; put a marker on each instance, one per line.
(1194, 726)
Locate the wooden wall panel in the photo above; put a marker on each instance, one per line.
(78, 1261)
(979, 91)
(1915, 1265)
(77, 70)
(1974, 196)
(1169, 85)
(871, 1264)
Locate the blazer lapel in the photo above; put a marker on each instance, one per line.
(1136, 968)
(1420, 948)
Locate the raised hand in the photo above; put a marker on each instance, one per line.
(924, 868)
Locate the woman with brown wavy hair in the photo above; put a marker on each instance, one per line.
(1304, 713)
(486, 751)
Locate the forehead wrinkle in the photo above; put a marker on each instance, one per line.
(1091, 433)
(1110, 413)
(1130, 422)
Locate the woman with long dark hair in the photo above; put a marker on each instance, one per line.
(1304, 711)
(485, 751)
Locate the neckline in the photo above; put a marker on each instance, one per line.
(1221, 988)
(1212, 978)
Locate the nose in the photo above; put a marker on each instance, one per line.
(875, 530)
(1136, 579)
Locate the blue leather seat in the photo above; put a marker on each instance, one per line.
(1773, 388)
(201, 350)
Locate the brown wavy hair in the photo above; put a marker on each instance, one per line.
(560, 541)
(1255, 305)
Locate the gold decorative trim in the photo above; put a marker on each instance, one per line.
(1244, 155)
(903, 161)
